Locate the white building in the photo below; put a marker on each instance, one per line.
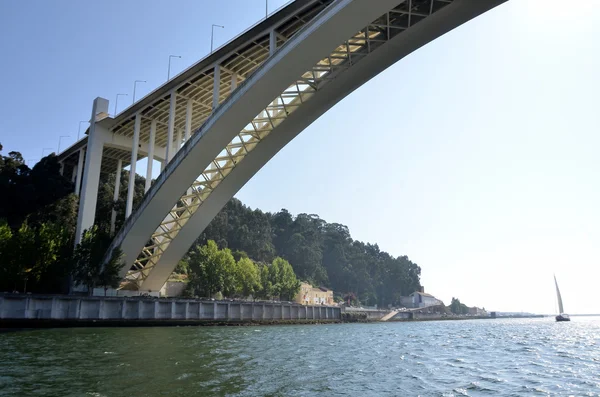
(422, 299)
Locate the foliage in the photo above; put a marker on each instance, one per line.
(247, 277)
(457, 307)
(29, 253)
(279, 280)
(25, 190)
(321, 253)
(110, 276)
(212, 270)
(87, 262)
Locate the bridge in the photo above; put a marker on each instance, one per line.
(213, 126)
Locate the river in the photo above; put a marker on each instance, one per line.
(510, 357)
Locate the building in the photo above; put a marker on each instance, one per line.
(421, 299)
(310, 295)
(475, 311)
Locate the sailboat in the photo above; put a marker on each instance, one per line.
(561, 316)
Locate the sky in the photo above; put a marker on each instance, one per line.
(476, 156)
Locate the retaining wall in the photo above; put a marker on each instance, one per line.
(25, 309)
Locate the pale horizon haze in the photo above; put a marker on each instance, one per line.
(477, 156)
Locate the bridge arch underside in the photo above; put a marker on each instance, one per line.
(345, 46)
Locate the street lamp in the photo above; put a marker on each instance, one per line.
(169, 72)
(44, 149)
(79, 130)
(59, 139)
(117, 101)
(134, 84)
(266, 9)
(212, 35)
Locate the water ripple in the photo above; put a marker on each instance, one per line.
(462, 358)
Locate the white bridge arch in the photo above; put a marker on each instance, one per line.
(330, 49)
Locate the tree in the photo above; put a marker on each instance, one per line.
(279, 280)
(212, 270)
(110, 275)
(87, 258)
(247, 277)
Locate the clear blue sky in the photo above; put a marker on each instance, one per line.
(479, 157)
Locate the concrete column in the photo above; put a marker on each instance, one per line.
(62, 168)
(173, 310)
(171, 126)
(156, 312)
(178, 140)
(187, 309)
(150, 155)
(234, 83)
(79, 170)
(263, 311)
(216, 86)
(113, 216)
(123, 309)
(91, 172)
(188, 119)
(140, 310)
(74, 174)
(215, 311)
(272, 42)
(134, 155)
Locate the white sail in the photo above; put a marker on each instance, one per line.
(560, 305)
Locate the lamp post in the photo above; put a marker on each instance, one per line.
(117, 101)
(266, 9)
(169, 72)
(44, 149)
(79, 130)
(134, 84)
(212, 35)
(59, 139)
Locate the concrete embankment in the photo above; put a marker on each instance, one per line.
(32, 311)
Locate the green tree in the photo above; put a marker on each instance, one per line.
(212, 270)
(110, 275)
(279, 280)
(87, 258)
(247, 277)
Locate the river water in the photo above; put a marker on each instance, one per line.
(448, 358)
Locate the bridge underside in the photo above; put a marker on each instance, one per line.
(251, 99)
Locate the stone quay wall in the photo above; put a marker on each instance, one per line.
(21, 310)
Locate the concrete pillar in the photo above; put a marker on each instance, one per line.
(187, 310)
(234, 83)
(134, 155)
(113, 216)
(216, 86)
(178, 140)
(215, 311)
(188, 119)
(91, 172)
(74, 174)
(79, 170)
(272, 42)
(150, 155)
(123, 309)
(62, 168)
(171, 126)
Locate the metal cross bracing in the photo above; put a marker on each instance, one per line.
(364, 42)
(199, 88)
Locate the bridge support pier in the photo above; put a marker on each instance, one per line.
(91, 172)
(113, 215)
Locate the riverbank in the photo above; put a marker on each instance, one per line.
(44, 311)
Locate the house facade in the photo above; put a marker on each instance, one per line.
(310, 295)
